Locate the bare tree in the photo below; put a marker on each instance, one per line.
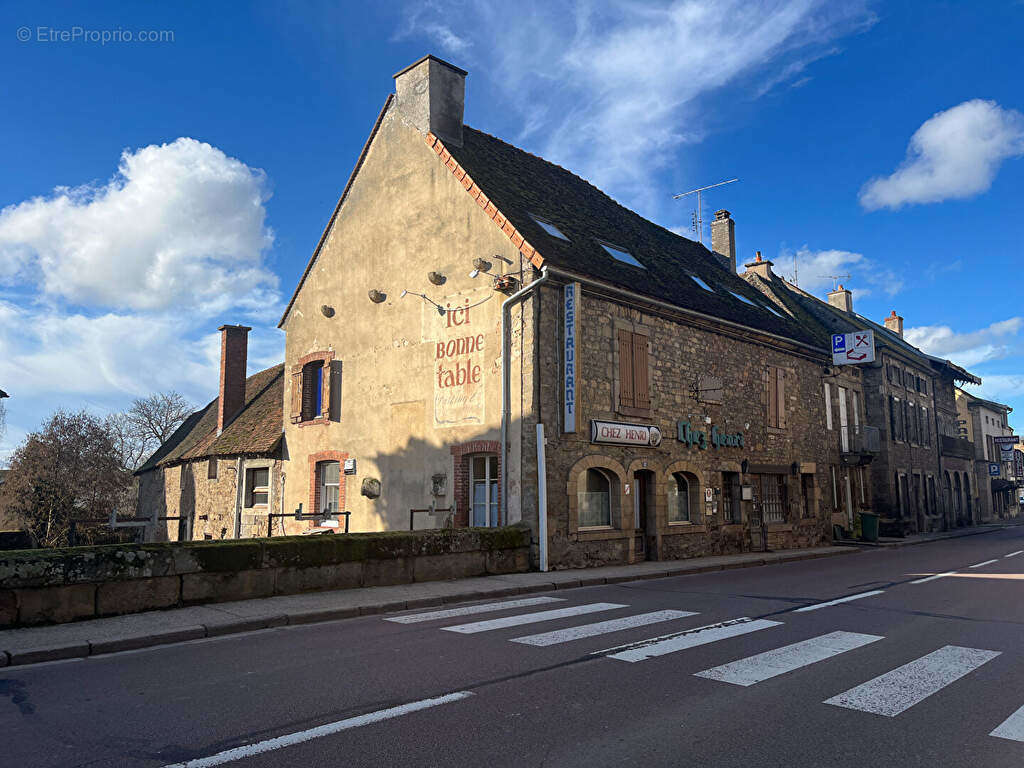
(155, 418)
(70, 468)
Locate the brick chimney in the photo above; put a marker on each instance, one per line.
(842, 299)
(723, 238)
(760, 267)
(895, 324)
(234, 342)
(431, 95)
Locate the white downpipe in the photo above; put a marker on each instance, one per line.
(506, 405)
(542, 498)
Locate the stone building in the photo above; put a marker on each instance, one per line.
(467, 296)
(919, 476)
(220, 472)
(984, 421)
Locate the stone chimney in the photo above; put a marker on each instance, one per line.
(431, 95)
(895, 324)
(842, 299)
(760, 267)
(723, 238)
(234, 342)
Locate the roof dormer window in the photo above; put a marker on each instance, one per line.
(550, 228)
(621, 255)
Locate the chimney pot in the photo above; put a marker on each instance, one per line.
(234, 342)
(723, 238)
(760, 267)
(841, 298)
(432, 96)
(895, 324)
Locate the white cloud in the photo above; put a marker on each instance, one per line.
(818, 271)
(179, 225)
(954, 154)
(611, 89)
(999, 386)
(970, 348)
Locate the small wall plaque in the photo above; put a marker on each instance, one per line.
(350, 466)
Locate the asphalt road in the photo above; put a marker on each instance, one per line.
(647, 673)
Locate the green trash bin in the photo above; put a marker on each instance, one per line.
(869, 526)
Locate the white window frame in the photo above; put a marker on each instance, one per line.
(828, 405)
(251, 489)
(674, 487)
(844, 430)
(489, 482)
(324, 511)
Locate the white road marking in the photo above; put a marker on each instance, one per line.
(692, 640)
(987, 562)
(531, 618)
(1014, 554)
(467, 610)
(600, 628)
(1012, 727)
(933, 578)
(290, 739)
(763, 666)
(899, 690)
(846, 599)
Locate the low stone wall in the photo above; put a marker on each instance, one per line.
(59, 585)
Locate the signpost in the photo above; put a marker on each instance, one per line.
(853, 348)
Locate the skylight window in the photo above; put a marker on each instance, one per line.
(620, 255)
(772, 310)
(744, 299)
(550, 228)
(702, 284)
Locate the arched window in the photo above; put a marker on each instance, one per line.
(682, 497)
(595, 499)
(957, 498)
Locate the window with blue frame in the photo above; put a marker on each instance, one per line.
(312, 390)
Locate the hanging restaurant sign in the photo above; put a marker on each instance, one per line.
(617, 433)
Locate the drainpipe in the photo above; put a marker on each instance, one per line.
(239, 482)
(506, 405)
(542, 498)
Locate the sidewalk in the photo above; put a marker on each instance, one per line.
(925, 538)
(121, 633)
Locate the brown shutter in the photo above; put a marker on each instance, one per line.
(335, 413)
(296, 409)
(781, 397)
(626, 397)
(325, 390)
(641, 386)
(308, 393)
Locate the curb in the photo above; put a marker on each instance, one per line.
(863, 545)
(83, 649)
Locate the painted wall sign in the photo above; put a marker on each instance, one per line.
(853, 348)
(617, 433)
(696, 437)
(458, 340)
(571, 302)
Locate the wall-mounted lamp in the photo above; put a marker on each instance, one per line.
(328, 311)
(480, 265)
(438, 307)
(436, 278)
(378, 296)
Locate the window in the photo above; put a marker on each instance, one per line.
(807, 493)
(926, 432)
(634, 388)
(312, 390)
(682, 497)
(594, 500)
(702, 284)
(257, 486)
(620, 255)
(744, 299)
(773, 498)
(329, 485)
(211, 469)
(828, 405)
(550, 228)
(483, 491)
(776, 385)
(731, 497)
(835, 488)
(316, 388)
(777, 314)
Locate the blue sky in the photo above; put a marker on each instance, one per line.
(151, 191)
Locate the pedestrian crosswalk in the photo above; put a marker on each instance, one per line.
(889, 694)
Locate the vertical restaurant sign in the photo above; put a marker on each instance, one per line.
(570, 305)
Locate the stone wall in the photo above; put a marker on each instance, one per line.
(60, 585)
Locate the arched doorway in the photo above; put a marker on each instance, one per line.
(644, 509)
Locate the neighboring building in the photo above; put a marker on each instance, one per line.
(919, 480)
(682, 413)
(984, 421)
(220, 472)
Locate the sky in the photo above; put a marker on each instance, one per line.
(166, 168)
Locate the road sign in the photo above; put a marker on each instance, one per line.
(1006, 452)
(993, 469)
(853, 348)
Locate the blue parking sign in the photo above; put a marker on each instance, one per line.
(838, 342)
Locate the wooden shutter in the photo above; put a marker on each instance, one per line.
(780, 381)
(641, 386)
(308, 392)
(335, 399)
(626, 397)
(325, 390)
(296, 407)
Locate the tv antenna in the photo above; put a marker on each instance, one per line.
(698, 220)
(835, 280)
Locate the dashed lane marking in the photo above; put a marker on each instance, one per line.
(933, 578)
(1014, 554)
(899, 690)
(468, 610)
(531, 618)
(846, 599)
(987, 562)
(779, 661)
